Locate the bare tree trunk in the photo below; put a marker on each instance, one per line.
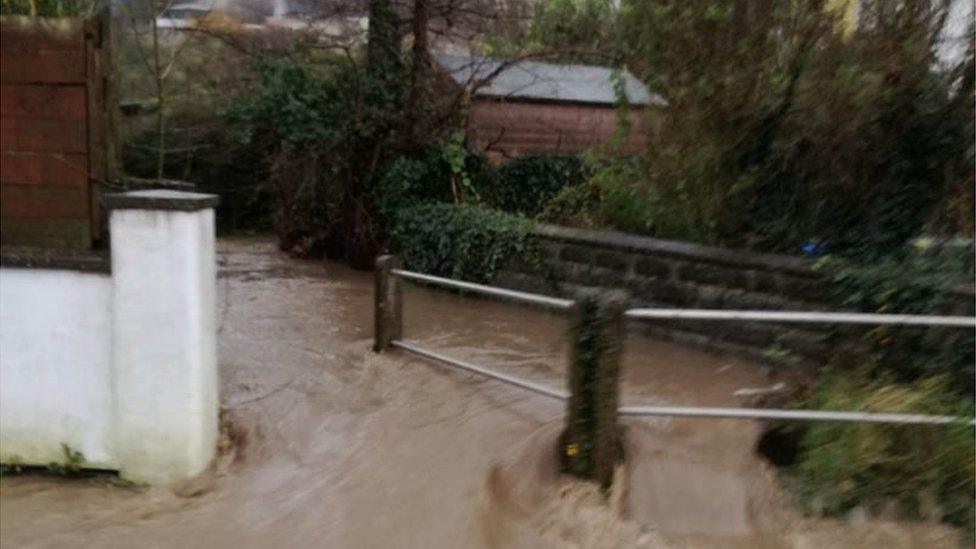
(421, 65)
(360, 239)
(382, 43)
(160, 98)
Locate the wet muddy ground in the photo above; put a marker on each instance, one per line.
(329, 445)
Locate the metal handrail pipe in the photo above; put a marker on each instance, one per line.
(504, 378)
(512, 295)
(793, 415)
(801, 317)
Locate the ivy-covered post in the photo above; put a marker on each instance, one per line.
(387, 308)
(591, 445)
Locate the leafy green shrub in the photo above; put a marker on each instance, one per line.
(574, 206)
(925, 283)
(525, 184)
(463, 241)
(780, 130)
(411, 181)
(626, 204)
(612, 196)
(844, 466)
(873, 162)
(320, 153)
(295, 102)
(428, 176)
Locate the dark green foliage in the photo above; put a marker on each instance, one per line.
(427, 177)
(577, 206)
(71, 464)
(449, 172)
(782, 130)
(52, 8)
(526, 184)
(576, 30)
(412, 181)
(265, 154)
(926, 282)
(383, 42)
(923, 470)
(602, 201)
(864, 175)
(12, 465)
(295, 103)
(579, 31)
(463, 241)
(215, 162)
(925, 370)
(322, 130)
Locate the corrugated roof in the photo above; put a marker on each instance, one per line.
(546, 81)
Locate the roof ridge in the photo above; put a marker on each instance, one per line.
(546, 80)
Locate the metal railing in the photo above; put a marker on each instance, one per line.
(790, 415)
(504, 378)
(723, 315)
(388, 289)
(389, 319)
(509, 295)
(802, 317)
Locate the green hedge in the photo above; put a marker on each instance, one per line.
(463, 241)
(923, 283)
(526, 184)
(426, 177)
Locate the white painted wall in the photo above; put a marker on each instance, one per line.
(122, 368)
(55, 365)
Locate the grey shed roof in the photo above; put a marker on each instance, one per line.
(545, 81)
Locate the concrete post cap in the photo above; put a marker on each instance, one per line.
(160, 199)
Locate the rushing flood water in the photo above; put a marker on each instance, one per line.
(329, 445)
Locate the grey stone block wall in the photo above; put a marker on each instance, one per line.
(663, 273)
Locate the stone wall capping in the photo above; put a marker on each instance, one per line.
(687, 250)
(88, 261)
(160, 199)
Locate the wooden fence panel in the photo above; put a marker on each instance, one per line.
(516, 128)
(38, 134)
(52, 130)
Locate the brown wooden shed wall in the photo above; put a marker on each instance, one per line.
(52, 138)
(518, 128)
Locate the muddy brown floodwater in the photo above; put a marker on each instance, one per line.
(329, 445)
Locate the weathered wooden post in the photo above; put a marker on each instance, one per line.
(591, 445)
(388, 297)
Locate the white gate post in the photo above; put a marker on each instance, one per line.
(164, 357)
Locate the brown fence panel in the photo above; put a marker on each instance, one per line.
(38, 134)
(52, 137)
(517, 128)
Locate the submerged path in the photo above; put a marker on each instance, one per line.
(329, 445)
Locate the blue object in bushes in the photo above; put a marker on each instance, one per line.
(815, 248)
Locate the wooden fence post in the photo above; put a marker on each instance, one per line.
(591, 445)
(388, 298)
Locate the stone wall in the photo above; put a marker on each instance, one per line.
(664, 273)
